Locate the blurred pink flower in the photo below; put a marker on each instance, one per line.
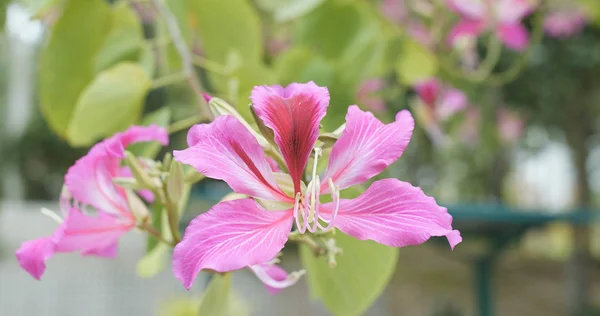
(368, 95)
(436, 104)
(440, 101)
(394, 10)
(563, 23)
(469, 130)
(502, 16)
(89, 182)
(419, 32)
(398, 12)
(510, 125)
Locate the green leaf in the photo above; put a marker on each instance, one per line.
(228, 25)
(301, 65)
(124, 40)
(415, 63)
(287, 10)
(231, 34)
(175, 181)
(147, 60)
(216, 298)
(361, 274)
(330, 29)
(68, 60)
(154, 261)
(160, 117)
(3, 6)
(111, 103)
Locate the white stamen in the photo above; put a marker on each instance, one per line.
(52, 215)
(335, 195)
(301, 228)
(291, 279)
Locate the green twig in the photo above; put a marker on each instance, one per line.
(209, 65)
(184, 124)
(513, 71)
(184, 54)
(155, 233)
(168, 80)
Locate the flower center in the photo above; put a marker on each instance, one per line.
(306, 206)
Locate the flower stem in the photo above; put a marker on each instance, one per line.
(156, 234)
(513, 71)
(307, 240)
(209, 65)
(184, 54)
(168, 80)
(184, 124)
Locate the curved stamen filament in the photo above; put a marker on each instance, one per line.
(301, 228)
(313, 191)
(335, 196)
(52, 215)
(313, 215)
(262, 275)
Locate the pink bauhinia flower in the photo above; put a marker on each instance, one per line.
(243, 233)
(436, 104)
(89, 182)
(510, 125)
(502, 16)
(565, 22)
(368, 94)
(441, 101)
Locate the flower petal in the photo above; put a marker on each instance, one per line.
(232, 235)
(90, 181)
(227, 151)
(473, 9)
(512, 11)
(367, 147)
(428, 90)
(394, 213)
(117, 144)
(465, 29)
(89, 235)
(32, 255)
(274, 277)
(514, 36)
(294, 114)
(92, 235)
(451, 102)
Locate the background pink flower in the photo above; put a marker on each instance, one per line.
(89, 182)
(564, 22)
(510, 125)
(502, 16)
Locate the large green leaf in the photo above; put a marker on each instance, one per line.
(154, 261)
(68, 60)
(226, 29)
(330, 29)
(301, 65)
(215, 301)
(361, 274)
(124, 41)
(415, 63)
(112, 102)
(224, 26)
(286, 10)
(3, 6)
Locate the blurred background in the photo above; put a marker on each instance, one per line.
(506, 94)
